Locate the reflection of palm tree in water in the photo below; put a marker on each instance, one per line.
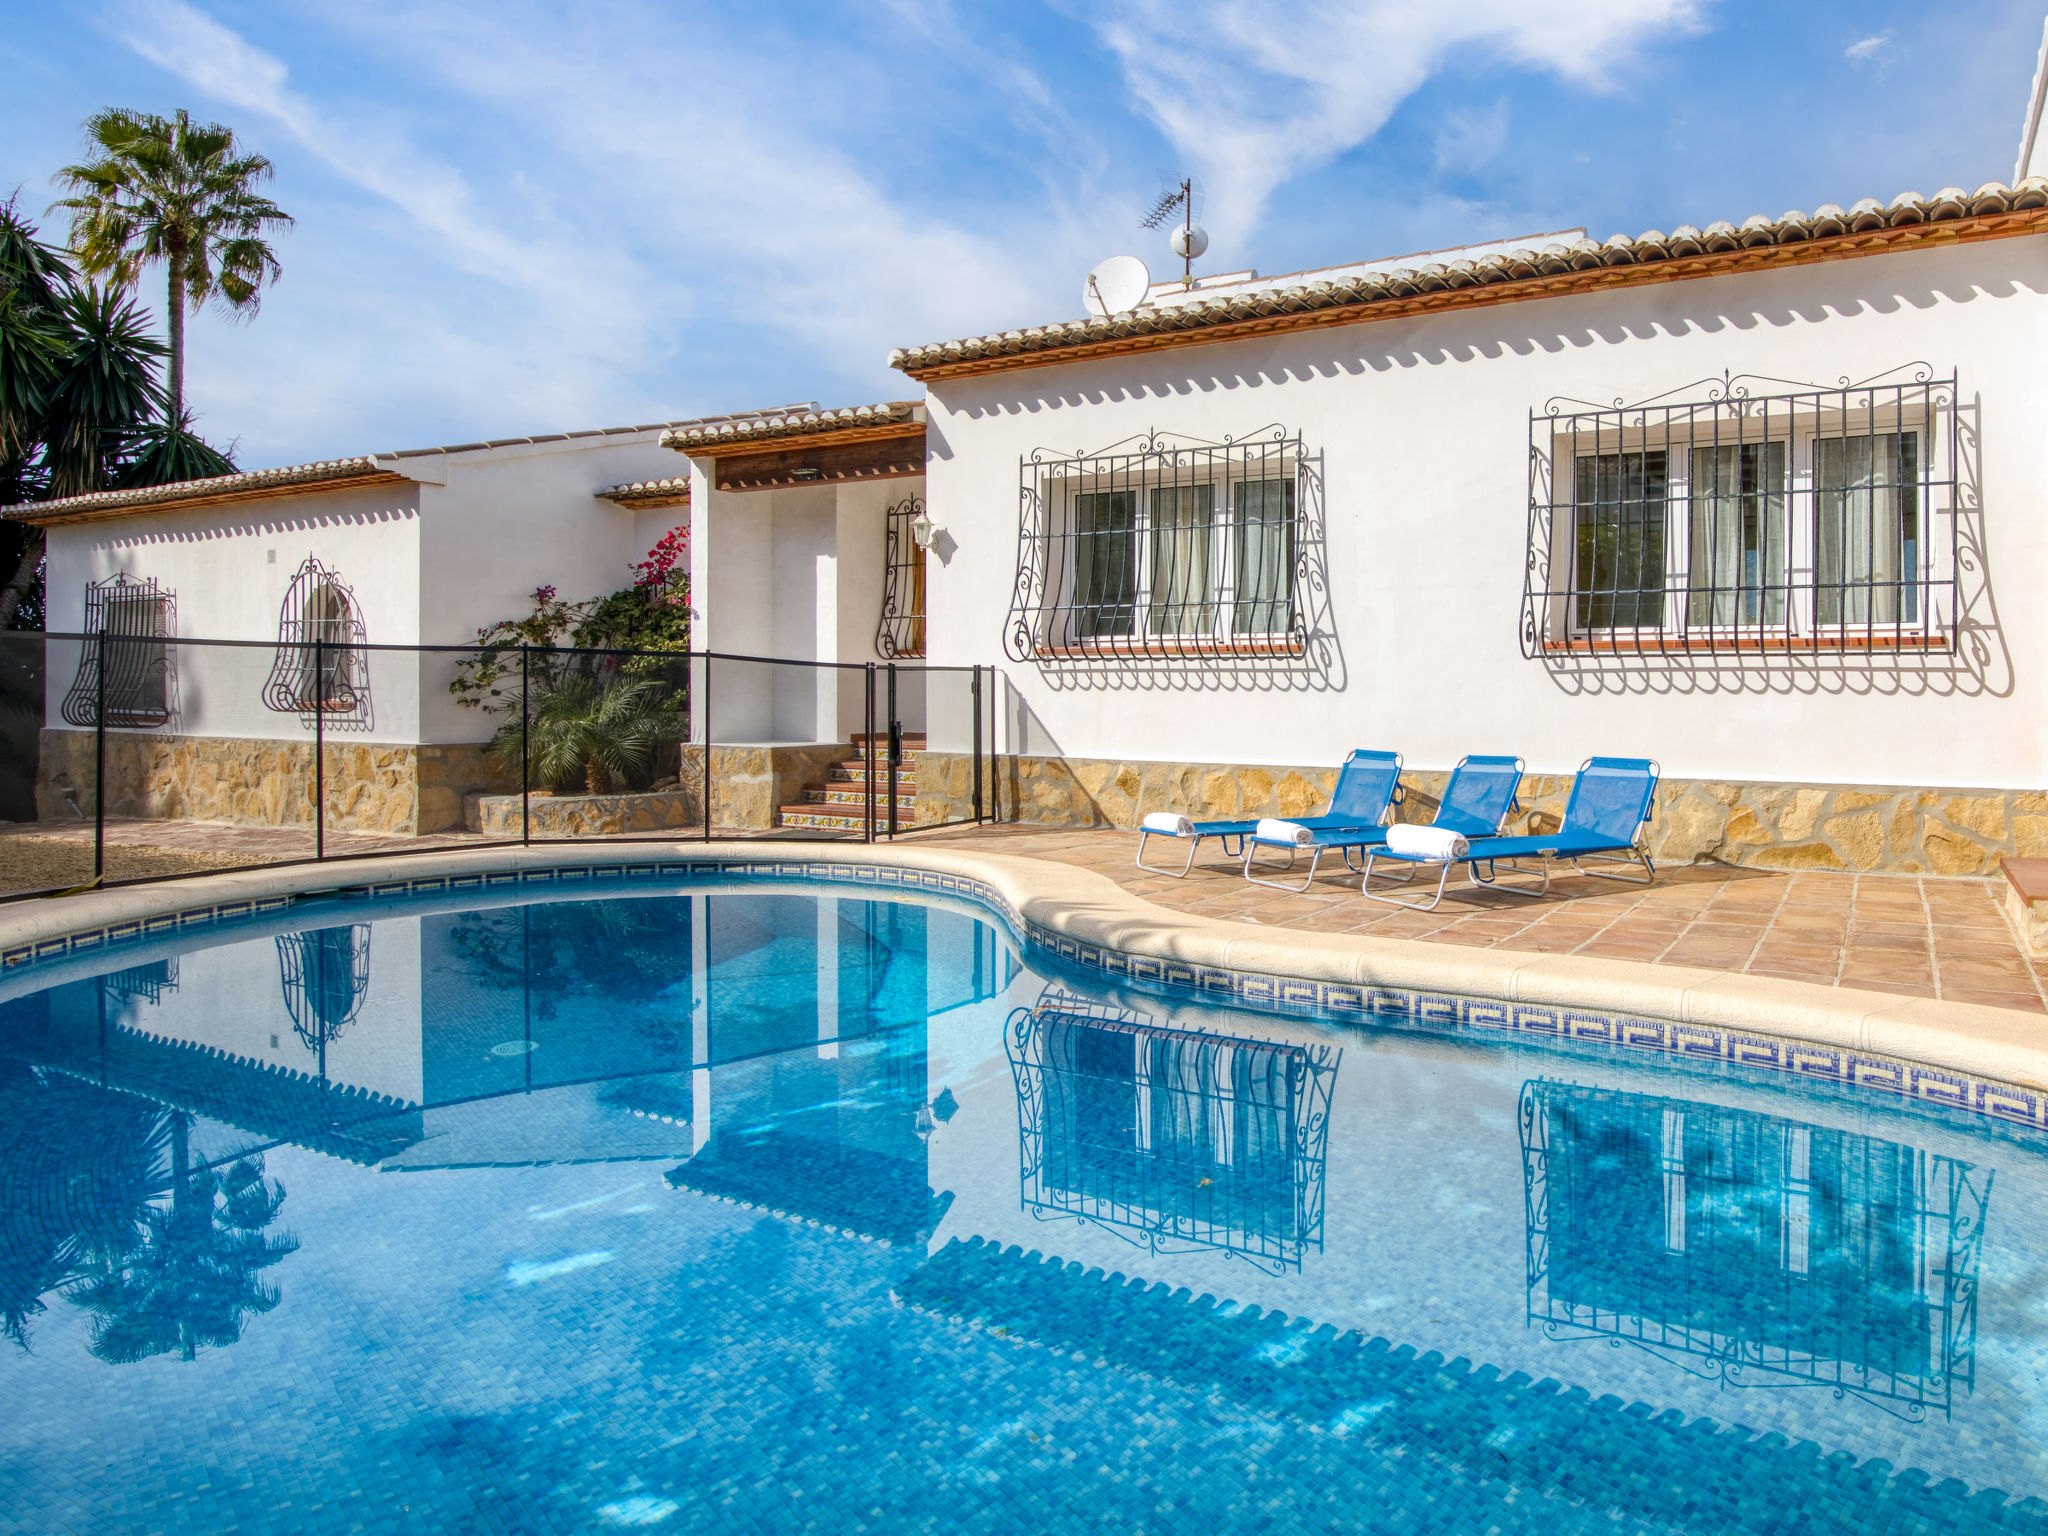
(78, 1166)
(191, 1278)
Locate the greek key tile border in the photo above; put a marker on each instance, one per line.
(2004, 1102)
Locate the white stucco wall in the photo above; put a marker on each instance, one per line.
(430, 562)
(795, 574)
(1422, 425)
(228, 569)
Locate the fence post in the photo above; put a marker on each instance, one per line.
(707, 746)
(895, 748)
(867, 766)
(525, 761)
(975, 691)
(319, 747)
(99, 763)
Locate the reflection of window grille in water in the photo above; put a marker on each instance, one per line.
(1750, 1250)
(326, 973)
(134, 617)
(1174, 1139)
(148, 982)
(321, 669)
(901, 632)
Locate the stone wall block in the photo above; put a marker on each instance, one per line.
(1858, 838)
(1800, 810)
(1951, 853)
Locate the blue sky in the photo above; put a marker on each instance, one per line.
(524, 217)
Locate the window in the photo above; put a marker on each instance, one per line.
(131, 619)
(1869, 525)
(1163, 548)
(1741, 519)
(321, 670)
(901, 631)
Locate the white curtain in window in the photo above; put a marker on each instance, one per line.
(1182, 596)
(1867, 512)
(1264, 553)
(1737, 559)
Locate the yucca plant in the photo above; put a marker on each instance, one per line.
(581, 730)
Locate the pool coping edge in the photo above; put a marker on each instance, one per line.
(1087, 919)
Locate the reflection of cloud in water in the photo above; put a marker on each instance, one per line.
(528, 1272)
(642, 1509)
(536, 1213)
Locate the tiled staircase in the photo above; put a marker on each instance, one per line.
(840, 803)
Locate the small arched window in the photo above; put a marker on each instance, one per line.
(132, 620)
(321, 671)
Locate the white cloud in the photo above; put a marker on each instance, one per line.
(1467, 140)
(1868, 47)
(1254, 92)
(632, 182)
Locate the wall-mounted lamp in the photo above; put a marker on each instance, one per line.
(924, 530)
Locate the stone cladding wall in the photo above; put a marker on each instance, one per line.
(1893, 829)
(370, 787)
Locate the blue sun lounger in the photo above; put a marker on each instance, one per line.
(1368, 787)
(1612, 801)
(1476, 802)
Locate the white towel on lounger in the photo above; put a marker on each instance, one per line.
(1429, 845)
(1167, 823)
(1272, 831)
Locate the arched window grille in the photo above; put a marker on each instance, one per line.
(326, 974)
(901, 632)
(321, 670)
(135, 619)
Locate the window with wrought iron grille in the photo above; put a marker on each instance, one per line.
(321, 668)
(1161, 546)
(901, 631)
(1745, 513)
(130, 620)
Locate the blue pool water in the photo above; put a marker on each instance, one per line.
(764, 1208)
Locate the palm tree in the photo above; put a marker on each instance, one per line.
(81, 407)
(191, 1281)
(581, 728)
(178, 192)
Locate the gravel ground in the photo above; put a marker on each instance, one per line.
(30, 863)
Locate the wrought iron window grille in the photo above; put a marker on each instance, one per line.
(1752, 1251)
(321, 671)
(134, 620)
(1170, 548)
(1175, 1140)
(1746, 514)
(901, 631)
(325, 973)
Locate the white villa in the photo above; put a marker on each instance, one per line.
(1758, 499)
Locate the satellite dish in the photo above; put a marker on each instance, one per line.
(1115, 286)
(1189, 242)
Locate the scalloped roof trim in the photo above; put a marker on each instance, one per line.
(1653, 245)
(792, 424)
(673, 485)
(319, 472)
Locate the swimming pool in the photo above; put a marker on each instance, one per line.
(762, 1207)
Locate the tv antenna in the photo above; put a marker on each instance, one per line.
(1189, 240)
